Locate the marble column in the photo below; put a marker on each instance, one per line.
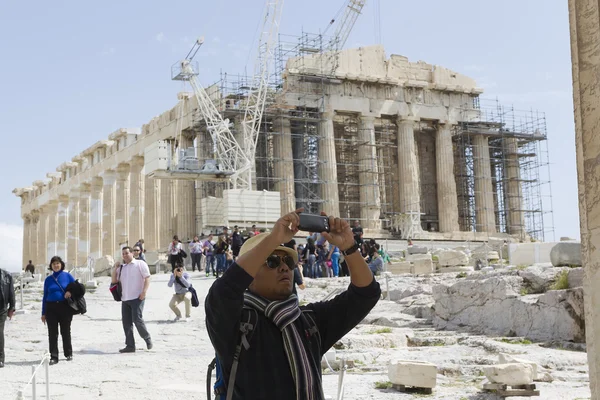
(62, 223)
(26, 250)
(83, 226)
(96, 217)
(167, 213)
(136, 200)
(284, 164)
(368, 175)
(152, 214)
(42, 234)
(328, 165)
(52, 236)
(410, 196)
(584, 16)
(108, 214)
(73, 228)
(485, 218)
(513, 190)
(446, 183)
(33, 236)
(185, 198)
(122, 207)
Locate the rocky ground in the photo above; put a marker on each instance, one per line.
(400, 328)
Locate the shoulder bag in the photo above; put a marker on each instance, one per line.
(115, 288)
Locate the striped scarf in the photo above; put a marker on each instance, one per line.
(283, 314)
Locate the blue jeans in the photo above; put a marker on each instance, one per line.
(220, 263)
(335, 263)
(210, 264)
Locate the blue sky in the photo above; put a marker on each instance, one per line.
(75, 71)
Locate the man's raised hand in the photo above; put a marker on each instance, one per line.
(287, 226)
(340, 233)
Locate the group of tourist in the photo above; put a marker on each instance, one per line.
(259, 280)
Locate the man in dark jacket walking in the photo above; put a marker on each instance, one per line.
(7, 306)
(283, 360)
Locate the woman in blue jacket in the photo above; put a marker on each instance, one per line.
(55, 310)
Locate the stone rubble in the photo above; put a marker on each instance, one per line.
(487, 321)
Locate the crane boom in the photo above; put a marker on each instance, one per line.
(258, 90)
(229, 154)
(352, 10)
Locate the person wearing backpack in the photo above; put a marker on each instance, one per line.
(266, 345)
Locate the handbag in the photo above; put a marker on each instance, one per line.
(116, 289)
(195, 300)
(78, 306)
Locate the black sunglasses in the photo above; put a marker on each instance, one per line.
(136, 249)
(274, 261)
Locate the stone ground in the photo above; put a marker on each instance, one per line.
(176, 367)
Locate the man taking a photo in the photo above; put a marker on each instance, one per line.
(283, 359)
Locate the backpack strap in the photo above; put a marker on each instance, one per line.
(247, 326)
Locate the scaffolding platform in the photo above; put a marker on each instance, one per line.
(191, 175)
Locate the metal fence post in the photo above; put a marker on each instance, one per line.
(340, 393)
(33, 382)
(22, 291)
(47, 367)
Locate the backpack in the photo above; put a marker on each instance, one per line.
(247, 324)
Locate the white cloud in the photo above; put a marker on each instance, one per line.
(11, 247)
(160, 37)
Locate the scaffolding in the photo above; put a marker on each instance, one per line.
(520, 200)
(519, 170)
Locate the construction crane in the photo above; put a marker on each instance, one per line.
(352, 9)
(258, 91)
(233, 159)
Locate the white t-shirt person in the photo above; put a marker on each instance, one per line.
(133, 276)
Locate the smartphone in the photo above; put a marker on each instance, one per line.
(313, 223)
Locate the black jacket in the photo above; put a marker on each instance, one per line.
(263, 371)
(7, 290)
(76, 288)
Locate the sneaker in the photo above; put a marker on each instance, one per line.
(69, 358)
(53, 361)
(149, 345)
(177, 319)
(187, 319)
(1, 364)
(127, 350)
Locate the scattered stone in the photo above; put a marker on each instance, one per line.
(504, 358)
(509, 374)
(103, 266)
(575, 277)
(539, 279)
(567, 239)
(402, 267)
(412, 373)
(444, 270)
(484, 306)
(566, 254)
(422, 267)
(417, 250)
(420, 306)
(452, 258)
(416, 257)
